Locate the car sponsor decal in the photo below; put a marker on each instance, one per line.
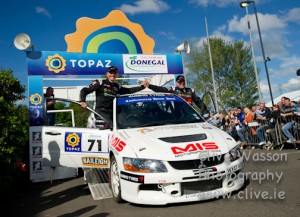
(132, 177)
(204, 170)
(143, 131)
(36, 137)
(234, 168)
(73, 142)
(207, 127)
(177, 127)
(36, 151)
(94, 143)
(95, 161)
(132, 100)
(37, 166)
(194, 148)
(117, 143)
(174, 127)
(86, 142)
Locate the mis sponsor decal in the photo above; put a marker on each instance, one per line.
(117, 143)
(194, 148)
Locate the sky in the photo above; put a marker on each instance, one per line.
(169, 23)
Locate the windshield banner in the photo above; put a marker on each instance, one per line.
(66, 63)
(132, 100)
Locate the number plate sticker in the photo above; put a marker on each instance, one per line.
(94, 143)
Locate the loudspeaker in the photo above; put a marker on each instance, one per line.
(298, 72)
(184, 47)
(22, 41)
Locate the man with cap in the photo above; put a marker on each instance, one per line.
(188, 94)
(106, 91)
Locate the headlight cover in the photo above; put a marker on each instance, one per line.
(235, 153)
(144, 165)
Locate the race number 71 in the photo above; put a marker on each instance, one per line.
(92, 143)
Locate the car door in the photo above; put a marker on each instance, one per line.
(69, 143)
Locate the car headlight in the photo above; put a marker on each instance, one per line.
(235, 153)
(144, 165)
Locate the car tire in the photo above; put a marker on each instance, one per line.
(115, 184)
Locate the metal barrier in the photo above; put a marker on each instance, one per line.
(268, 134)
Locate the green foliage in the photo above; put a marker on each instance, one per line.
(123, 81)
(65, 118)
(233, 73)
(81, 115)
(13, 129)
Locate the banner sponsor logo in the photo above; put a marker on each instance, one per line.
(35, 99)
(56, 63)
(143, 64)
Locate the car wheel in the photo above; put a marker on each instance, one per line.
(115, 180)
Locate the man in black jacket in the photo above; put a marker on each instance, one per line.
(50, 105)
(188, 94)
(106, 91)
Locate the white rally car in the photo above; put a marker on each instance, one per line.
(159, 151)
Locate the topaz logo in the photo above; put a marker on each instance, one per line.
(73, 139)
(56, 63)
(35, 99)
(205, 146)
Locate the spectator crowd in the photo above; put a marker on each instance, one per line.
(262, 127)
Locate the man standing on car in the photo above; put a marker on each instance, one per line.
(188, 94)
(106, 91)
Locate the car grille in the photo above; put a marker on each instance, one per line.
(200, 186)
(186, 138)
(197, 164)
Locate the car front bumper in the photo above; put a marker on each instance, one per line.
(177, 186)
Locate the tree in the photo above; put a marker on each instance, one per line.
(13, 129)
(62, 117)
(233, 72)
(81, 115)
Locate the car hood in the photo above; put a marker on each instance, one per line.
(177, 142)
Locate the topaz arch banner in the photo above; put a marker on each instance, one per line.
(65, 63)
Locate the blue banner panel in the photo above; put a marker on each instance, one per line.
(35, 85)
(66, 63)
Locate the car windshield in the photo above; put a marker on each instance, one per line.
(153, 110)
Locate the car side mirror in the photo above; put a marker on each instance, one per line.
(206, 114)
(102, 125)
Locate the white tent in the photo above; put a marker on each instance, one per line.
(294, 96)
